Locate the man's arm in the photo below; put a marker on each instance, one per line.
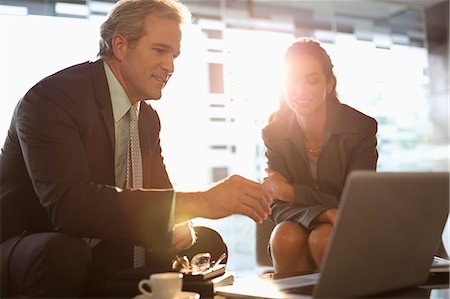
(233, 195)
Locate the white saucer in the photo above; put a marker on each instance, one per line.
(182, 295)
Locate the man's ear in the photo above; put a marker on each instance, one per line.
(119, 46)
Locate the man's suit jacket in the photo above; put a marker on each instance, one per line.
(57, 165)
(349, 144)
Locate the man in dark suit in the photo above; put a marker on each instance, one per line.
(65, 168)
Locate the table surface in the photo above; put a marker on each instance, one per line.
(437, 287)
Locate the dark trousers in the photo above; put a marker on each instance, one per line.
(55, 265)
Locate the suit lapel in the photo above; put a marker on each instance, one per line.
(295, 135)
(101, 89)
(293, 141)
(147, 135)
(295, 147)
(336, 122)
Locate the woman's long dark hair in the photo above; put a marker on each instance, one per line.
(311, 47)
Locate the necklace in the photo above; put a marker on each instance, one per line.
(311, 151)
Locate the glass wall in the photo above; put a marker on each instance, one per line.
(227, 82)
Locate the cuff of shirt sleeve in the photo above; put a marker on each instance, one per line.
(172, 212)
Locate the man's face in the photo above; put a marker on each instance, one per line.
(146, 67)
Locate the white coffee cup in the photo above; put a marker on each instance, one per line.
(163, 285)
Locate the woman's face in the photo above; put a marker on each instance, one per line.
(306, 85)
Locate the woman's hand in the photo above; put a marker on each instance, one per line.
(277, 186)
(327, 216)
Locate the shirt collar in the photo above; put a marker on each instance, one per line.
(119, 99)
(337, 123)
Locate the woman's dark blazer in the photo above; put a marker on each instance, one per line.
(349, 143)
(57, 165)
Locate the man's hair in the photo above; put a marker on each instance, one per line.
(127, 18)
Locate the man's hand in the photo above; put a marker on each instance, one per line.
(237, 195)
(277, 186)
(183, 236)
(233, 195)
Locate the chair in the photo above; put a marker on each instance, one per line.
(263, 232)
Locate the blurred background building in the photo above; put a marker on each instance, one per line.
(390, 57)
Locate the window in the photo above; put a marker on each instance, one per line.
(217, 78)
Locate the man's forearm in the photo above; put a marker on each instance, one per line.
(190, 205)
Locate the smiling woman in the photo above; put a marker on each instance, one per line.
(313, 142)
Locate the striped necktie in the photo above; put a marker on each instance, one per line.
(134, 173)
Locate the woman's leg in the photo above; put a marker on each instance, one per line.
(289, 248)
(318, 240)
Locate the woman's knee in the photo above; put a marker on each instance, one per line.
(319, 236)
(288, 236)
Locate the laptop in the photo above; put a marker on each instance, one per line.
(389, 228)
